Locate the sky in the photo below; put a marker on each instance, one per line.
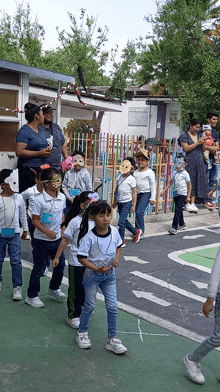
(125, 19)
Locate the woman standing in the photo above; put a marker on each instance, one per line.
(32, 147)
(192, 143)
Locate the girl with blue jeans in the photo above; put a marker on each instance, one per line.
(99, 251)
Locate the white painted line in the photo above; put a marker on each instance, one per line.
(193, 237)
(140, 333)
(171, 287)
(175, 256)
(151, 297)
(135, 259)
(145, 333)
(200, 285)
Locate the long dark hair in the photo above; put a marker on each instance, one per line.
(75, 207)
(95, 208)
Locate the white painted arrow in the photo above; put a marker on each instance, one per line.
(151, 297)
(193, 237)
(162, 283)
(200, 285)
(136, 259)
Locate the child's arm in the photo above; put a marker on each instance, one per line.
(208, 306)
(23, 219)
(134, 199)
(88, 181)
(189, 185)
(116, 261)
(167, 187)
(37, 223)
(114, 204)
(65, 185)
(64, 242)
(84, 261)
(213, 190)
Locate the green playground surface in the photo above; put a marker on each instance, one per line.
(38, 352)
(204, 257)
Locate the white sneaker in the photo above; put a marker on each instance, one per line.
(188, 207)
(115, 345)
(58, 294)
(17, 294)
(83, 341)
(34, 302)
(194, 208)
(194, 370)
(46, 271)
(74, 323)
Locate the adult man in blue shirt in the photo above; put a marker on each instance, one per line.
(55, 139)
(212, 118)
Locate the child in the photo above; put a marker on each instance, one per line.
(99, 252)
(192, 361)
(76, 293)
(146, 188)
(126, 198)
(77, 179)
(47, 218)
(209, 141)
(12, 209)
(182, 192)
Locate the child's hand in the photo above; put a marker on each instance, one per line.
(51, 234)
(208, 306)
(161, 193)
(133, 209)
(24, 235)
(210, 194)
(55, 262)
(188, 199)
(115, 263)
(71, 200)
(104, 269)
(152, 202)
(114, 205)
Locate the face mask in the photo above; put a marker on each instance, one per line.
(12, 180)
(125, 167)
(179, 162)
(78, 161)
(56, 180)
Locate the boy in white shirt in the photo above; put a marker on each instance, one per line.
(76, 180)
(126, 198)
(12, 209)
(182, 192)
(146, 187)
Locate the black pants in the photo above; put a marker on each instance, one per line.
(178, 214)
(76, 293)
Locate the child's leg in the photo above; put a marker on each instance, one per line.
(178, 215)
(76, 292)
(206, 157)
(91, 284)
(40, 255)
(31, 229)
(212, 341)
(216, 158)
(108, 287)
(3, 242)
(142, 202)
(124, 209)
(58, 271)
(14, 252)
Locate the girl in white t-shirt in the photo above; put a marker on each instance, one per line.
(70, 229)
(99, 251)
(146, 187)
(125, 197)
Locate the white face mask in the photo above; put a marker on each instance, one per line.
(12, 180)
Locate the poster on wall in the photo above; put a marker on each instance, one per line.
(138, 117)
(173, 117)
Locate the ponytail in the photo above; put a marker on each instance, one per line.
(84, 226)
(75, 207)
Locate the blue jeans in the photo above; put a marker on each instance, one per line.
(42, 250)
(123, 210)
(142, 203)
(14, 252)
(212, 175)
(178, 215)
(212, 341)
(107, 283)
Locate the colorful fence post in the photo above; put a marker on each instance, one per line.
(93, 171)
(113, 178)
(103, 175)
(158, 183)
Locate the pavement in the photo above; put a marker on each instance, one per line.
(38, 351)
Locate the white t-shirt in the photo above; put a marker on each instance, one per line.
(124, 188)
(76, 180)
(12, 209)
(180, 180)
(145, 182)
(100, 250)
(30, 194)
(72, 232)
(45, 204)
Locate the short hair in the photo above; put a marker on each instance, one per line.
(4, 173)
(79, 152)
(130, 159)
(182, 156)
(211, 114)
(30, 110)
(195, 121)
(47, 174)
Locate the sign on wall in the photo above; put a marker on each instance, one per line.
(138, 117)
(173, 117)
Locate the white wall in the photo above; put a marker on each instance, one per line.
(172, 130)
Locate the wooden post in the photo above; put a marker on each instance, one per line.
(113, 178)
(86, 148)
